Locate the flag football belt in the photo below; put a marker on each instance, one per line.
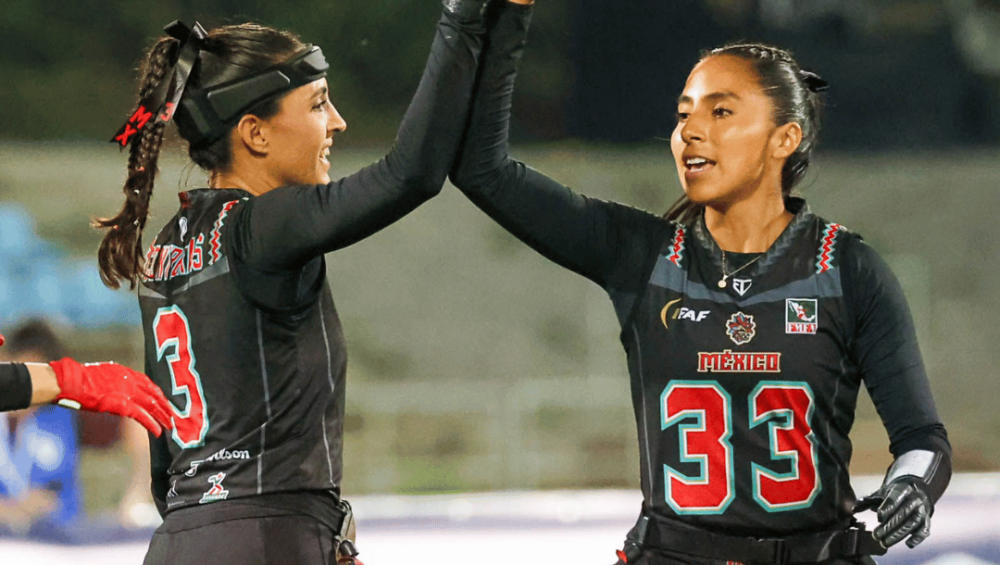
(853, 541)
(326, 507)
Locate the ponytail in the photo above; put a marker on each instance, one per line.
(120, 254)
(234, 52)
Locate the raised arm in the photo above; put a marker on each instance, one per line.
(285, 228)
(585, 235)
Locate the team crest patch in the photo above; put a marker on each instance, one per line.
(741, 328)
(801, 316)
(217, 492)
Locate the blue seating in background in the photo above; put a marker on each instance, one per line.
(37, 279)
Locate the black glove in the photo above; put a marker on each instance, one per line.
(465, 10)
(904, 509)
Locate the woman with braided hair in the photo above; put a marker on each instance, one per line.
(240, 327)
(749, 323)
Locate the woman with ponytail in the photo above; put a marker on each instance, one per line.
(240, 327)
(749, 323)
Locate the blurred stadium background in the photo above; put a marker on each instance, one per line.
(475, 365)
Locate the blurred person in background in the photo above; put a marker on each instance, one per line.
(749, 323)
(240, 325)
(39, 449)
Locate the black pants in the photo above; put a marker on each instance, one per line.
(655, 557)
(271, 540)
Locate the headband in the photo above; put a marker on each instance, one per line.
(206, 114)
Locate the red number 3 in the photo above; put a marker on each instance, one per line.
(702, 412)
(173, 334)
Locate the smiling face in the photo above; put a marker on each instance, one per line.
(300, 135)
(726, 145)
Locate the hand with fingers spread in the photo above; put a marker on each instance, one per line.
(904, 509)
(113, 388)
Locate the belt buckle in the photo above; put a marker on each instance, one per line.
(852, 545)
(780, 556)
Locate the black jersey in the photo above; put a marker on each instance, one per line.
(240, 328)
(257, 381)
(744, 395)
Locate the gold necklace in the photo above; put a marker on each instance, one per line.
(722, 281)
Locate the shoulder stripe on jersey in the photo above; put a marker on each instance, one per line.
(205, 275)
(827, 245)
(677, 246)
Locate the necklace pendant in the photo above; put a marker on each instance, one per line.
(722, 283)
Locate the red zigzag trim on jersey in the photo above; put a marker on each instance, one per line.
(216, 245)
(826, 248)
(677, 247)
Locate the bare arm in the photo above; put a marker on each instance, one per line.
(44, 385)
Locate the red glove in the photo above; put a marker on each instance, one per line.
(110, 387)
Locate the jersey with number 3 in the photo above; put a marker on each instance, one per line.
(253, 363)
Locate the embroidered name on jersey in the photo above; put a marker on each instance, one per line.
(727, 361)
(168, 261)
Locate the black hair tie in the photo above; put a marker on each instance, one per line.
(159, 105)
(813, 81)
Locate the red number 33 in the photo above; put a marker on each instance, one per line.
(173, 344)
(702, 413)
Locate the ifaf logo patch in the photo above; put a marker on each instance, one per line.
(801, 316)
(741, 328)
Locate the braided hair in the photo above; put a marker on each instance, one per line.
(120, 252)
(234, 51)
(796, 97)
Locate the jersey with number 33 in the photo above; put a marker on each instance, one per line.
(745, 393)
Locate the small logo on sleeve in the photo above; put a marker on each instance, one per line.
(801, 316)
